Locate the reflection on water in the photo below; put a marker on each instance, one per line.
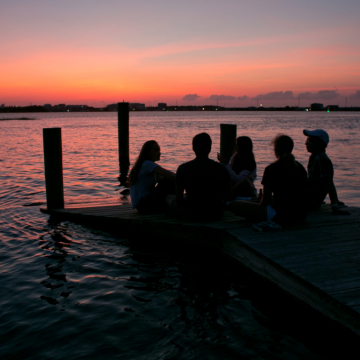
(70, 291)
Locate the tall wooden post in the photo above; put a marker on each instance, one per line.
(53, 168)
(227, 140)
(123, 137)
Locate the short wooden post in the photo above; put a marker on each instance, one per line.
(227, 140)
(123, 137)
(53, 168)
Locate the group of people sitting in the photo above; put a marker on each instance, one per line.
(201, 188)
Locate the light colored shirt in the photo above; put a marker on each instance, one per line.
(245, 174)
(145, 184)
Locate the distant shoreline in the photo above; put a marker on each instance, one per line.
(342, 110)
(22, 118)
(82, 109)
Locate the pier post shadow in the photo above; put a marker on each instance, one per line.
(123, 138)
(227, 140)
(53, 168)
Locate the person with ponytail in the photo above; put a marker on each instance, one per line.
(242, 168)
(284, 189)
(146, 197)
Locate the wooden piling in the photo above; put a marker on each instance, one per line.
(53, 168)
(227, 140)
(123, 138)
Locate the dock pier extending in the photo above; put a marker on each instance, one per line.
(316, 263)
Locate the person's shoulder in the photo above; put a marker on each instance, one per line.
(270, 172)
(301, 166)
(326, 157)
(322, 157)
(272, 166)
(188, 163)
(323, 160)
(213, 162)
(149, 165)
(185, 165)
(217, 165)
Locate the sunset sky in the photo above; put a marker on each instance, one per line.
(190, 52)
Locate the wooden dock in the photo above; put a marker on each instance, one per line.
(317, 263)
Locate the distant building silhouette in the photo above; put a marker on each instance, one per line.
(162, 106)
(132, 106)
(60, 107)
(77, 107)
(333, 107)
(317, 107)
(137, 106)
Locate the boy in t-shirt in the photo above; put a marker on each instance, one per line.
(206, 182)
(320, 172)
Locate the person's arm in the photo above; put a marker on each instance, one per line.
(179, 186)
(266, 199)
(221, 159)
(167, 174)
(243, 175)
(179, 194)
(331, 189)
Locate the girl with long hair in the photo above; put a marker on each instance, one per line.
(284, 188)
(146, 197)
(242, 168)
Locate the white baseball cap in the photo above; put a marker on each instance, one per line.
(322, 134)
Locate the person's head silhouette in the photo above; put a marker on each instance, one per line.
(202, 144)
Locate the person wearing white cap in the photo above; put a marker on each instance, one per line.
(320, 171)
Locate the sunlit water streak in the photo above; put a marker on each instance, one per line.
(70, 291)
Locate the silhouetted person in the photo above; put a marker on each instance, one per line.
(320, 172)
(242, 168)
(146, 197)
(284, 189)
(206, 182)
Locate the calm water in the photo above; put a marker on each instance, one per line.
(68, 291)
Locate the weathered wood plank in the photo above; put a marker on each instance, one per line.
(297, 250)
(292, 237)
(291, 283)
(313, 263)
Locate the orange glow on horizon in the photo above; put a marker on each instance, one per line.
(167, 73)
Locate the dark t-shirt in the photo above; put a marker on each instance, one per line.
(289, 186)
(205, 182)
(320, 172)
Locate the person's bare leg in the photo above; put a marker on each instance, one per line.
(243, 188)
(249, 210)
